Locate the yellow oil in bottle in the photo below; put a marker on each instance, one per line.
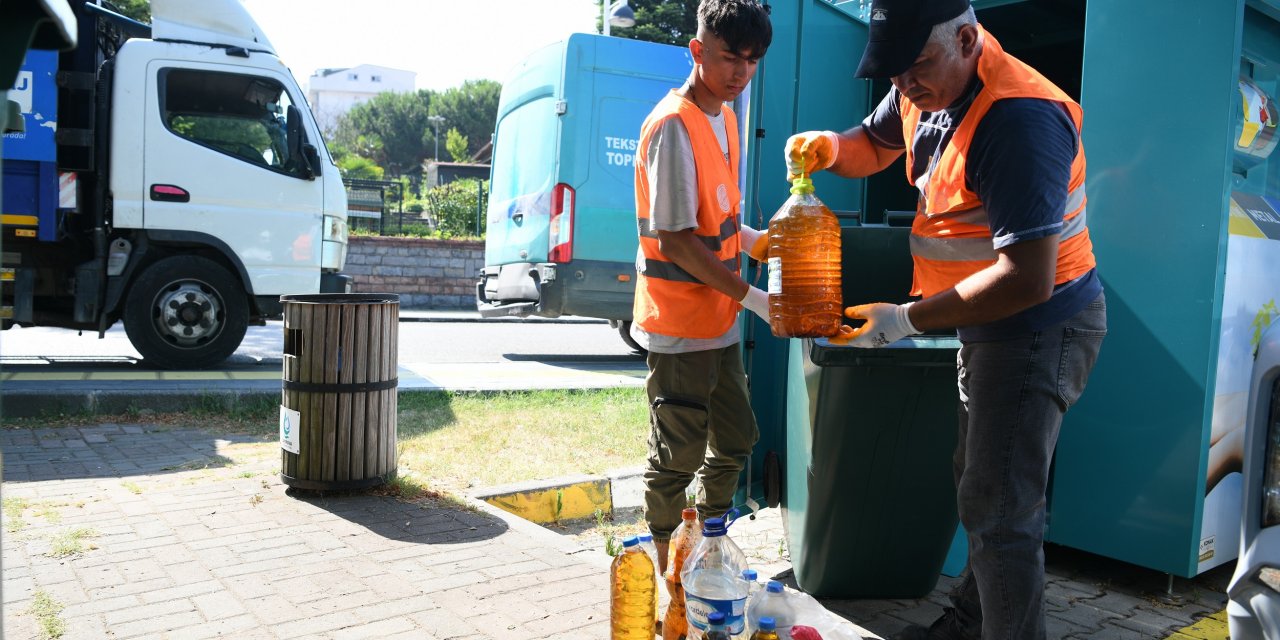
(804, 266)
(631, 598)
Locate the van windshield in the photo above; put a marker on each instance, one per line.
(524, 151)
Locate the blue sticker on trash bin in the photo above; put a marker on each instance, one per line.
(289, 420)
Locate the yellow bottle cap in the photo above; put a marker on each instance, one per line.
(802, 185)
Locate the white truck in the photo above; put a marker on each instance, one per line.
(170, 176)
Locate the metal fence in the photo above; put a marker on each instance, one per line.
(380, 206)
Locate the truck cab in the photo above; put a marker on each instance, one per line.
(186, 187)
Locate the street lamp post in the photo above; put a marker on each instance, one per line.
(618, 14)
(436, 120)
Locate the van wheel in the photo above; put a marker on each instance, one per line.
(624, 330)
(186, 312)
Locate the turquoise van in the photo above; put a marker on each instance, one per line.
(561, 225)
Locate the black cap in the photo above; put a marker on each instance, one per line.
(899, 30)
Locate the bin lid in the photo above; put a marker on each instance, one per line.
(913, 351)
(341, 298)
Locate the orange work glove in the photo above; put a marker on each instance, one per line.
(810, 152)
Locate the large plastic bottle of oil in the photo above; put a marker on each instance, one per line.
(804, 266)
(631, 596)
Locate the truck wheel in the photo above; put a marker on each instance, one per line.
(624, 330)
(186, 312)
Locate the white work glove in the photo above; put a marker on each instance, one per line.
(756, 301)
(754, 243)
(885, 324)
(810, 152)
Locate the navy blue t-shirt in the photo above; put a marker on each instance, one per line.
(1019, 164)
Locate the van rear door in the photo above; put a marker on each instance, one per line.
(525, 151)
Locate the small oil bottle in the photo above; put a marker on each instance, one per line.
(766, 630)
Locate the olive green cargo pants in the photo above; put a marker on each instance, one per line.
(700, 422)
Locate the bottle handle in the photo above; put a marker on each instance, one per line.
(728, 520)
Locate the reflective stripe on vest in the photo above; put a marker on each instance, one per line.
(951, 236)
(669, 300)
(981, 247)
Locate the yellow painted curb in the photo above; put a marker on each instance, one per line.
(547, 504)
(1213, 627)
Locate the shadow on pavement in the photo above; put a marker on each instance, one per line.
(428, 521)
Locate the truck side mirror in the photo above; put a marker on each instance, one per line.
(306, 161)
(311, 157)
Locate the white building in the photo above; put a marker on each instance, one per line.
(332, 92)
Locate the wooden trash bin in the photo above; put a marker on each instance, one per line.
(338, 407)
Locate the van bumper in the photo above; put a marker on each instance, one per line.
(588, 288)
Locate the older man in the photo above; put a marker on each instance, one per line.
(1001, 253)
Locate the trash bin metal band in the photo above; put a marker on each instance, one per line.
(341, 387)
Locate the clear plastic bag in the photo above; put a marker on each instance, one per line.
(809, 612)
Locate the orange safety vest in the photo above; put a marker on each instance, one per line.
(951, 236)
(669, 300)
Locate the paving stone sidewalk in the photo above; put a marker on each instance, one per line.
(157, 532)
(190, 535)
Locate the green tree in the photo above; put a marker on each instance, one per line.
(356, 168)
(388, 130)
(472, 109)
(664, 21)
(139, 10)
(457, 145)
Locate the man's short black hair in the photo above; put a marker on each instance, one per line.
(742, 24)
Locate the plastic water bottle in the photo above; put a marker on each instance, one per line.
(712, 578)
(631, 600)
(766, 630)
(753, 586)
(646, 543)
(772, 603)
(675, 624)
(715, 627)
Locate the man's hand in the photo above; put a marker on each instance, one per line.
(755, 243)
(756, 301)
(885, 323)
(811, 151)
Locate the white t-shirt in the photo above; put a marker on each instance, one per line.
(674, 207)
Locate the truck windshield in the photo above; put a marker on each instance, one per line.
(240, 115)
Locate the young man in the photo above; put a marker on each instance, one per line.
(688, 291)
(1002, 252)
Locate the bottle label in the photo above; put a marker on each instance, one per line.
(697, 609)
(775, 276)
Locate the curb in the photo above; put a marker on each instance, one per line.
(40, 404)
(566, 498)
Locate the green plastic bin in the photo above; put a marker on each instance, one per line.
(869, 495)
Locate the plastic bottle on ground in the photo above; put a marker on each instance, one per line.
(712, 579)
(753, 584)
(646, 543)
(631, 595)
(715, 627)
(675, 623)
(804, 267)
(766, 631)
(772, 603)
